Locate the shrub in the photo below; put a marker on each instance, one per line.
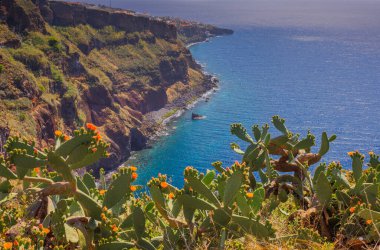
(56, 74)
(33, 58)
(22, 117)
(54, 44)
(222, 207)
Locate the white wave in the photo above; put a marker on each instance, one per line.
(308, 38)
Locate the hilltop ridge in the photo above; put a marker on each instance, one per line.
(63, 64)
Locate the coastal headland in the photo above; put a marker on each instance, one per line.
(64, 64)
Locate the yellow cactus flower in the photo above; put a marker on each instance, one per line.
(102, 191)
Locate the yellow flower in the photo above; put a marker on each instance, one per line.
(371, 153)
(171, 196)
(102, 191)
(133, 168)
(164, 184)
(249, 195)
(368, 222)
(36, 170)
(133, 188)
(58, 133)
(8, 245)
(66, 137)
(352, 209)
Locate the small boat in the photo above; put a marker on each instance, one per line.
(195, 116)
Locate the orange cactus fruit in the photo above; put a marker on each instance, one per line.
(58, 133)
(249, 195)
(97, 137)
(8, 245)
(134, 176)
(164, 184)
(90, 126)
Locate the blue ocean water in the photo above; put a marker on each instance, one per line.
(317, 80)
(316, 63)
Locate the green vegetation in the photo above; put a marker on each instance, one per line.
(1, 68)
(169, 114)
(268, 200)
(32, 57)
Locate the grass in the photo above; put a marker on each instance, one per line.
(32, 57)
(6, 34)
(56, 74)
(169, 114)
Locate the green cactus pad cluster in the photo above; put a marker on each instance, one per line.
(223, 206)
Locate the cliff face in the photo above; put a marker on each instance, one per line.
(64, 64)
(192, 32)
(69, 14)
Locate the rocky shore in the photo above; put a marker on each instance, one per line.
(160, 118)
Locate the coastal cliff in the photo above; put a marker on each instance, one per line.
(63, 64)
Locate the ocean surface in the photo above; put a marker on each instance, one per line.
(317, 65)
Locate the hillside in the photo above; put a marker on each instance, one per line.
(64, 64)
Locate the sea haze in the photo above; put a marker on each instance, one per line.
(315, 63)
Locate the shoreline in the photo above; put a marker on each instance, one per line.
(160, 122)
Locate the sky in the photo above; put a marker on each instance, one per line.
(349, 14)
